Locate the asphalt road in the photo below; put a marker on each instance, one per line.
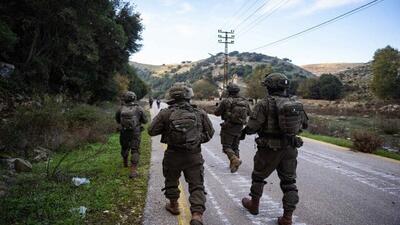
(336, 187)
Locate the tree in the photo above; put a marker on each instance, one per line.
(386, 73)
(204, 89)
(255, 89)
(70, 47)
(331, 87)
(309, 88)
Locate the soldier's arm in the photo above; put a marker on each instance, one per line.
(304, 120)
(143, 117)
(208, 129)
(158, 123)
(257, 119)
(118, 116)
(220, 109)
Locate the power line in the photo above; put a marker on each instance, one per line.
(228, 22)
(249, 16)
(239, 15)
(263, 17)
(349, 13)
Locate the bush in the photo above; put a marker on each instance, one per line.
(55, 125)
(365, 141)
(389, 126)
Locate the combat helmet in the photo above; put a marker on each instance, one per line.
(129, 96)
(180, 91)
(233, 88)
(276, 82)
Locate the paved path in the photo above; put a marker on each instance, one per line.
(336, 187)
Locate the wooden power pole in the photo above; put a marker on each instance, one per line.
(226, 37)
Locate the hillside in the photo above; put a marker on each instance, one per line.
(241, 66)
(322, 68)
(356, 81)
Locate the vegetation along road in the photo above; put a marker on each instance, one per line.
(336, 186)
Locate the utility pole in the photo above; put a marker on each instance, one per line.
(226, 37)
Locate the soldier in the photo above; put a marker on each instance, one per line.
(183, 127)
(277, 120)
(234, 111)
(150, 102)
(130, 116)
(158, 103)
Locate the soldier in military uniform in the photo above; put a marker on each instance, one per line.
(277, 120)
(183, 127)
(234, 111)
(130, 116)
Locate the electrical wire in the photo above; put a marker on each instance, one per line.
(239, 13)
(254, 12)
(342, 16)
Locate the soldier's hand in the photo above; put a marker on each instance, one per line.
(242, 135)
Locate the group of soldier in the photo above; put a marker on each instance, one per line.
(277, 119)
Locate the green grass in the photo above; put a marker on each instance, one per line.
(348, 144)
(332, 140)
(36, 199)
(387, 154)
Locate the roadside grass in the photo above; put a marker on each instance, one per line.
(332, 140)
(348, 144)
(110, 198)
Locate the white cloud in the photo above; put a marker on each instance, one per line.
(319, 5)
(185, 7)
(184, 30)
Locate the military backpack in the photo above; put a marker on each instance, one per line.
(129, 116)
(185, 127)
(287, 118)
(238, 111)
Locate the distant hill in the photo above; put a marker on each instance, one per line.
(241, 66)
(322, 68)
(356, 81)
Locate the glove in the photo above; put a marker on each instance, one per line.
(242, 135)
(141, 128)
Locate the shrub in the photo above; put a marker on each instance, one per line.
(389, 126)
(365, 141)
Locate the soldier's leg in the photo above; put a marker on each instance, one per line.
(287, 174)
(235, 145)
(124, 141)
(227, 141)
(171, 172)
(135, 148)
(265, 162)
(194, 176)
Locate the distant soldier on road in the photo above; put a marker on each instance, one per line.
(150, 102)
(277, 120)
(130, 116)
(158, 103)
(234, 110)
(183, 127)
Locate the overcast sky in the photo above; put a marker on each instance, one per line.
(178, 30)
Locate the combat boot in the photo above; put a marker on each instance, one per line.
(196, 218)
(173, 207)
(286, 219)
(134, 172)
(125, 161)
(251, 204)
(235, 163)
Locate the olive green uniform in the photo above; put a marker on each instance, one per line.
(275, 152)
(178, 159)
(230, 132)
(130, 138)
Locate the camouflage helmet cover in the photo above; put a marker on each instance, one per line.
(276, 81)
(129, 96)
(233, 88)
(180, 91)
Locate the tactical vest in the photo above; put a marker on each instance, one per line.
(129, 116)
(238, 111)
(284, 116)
(185, 128)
